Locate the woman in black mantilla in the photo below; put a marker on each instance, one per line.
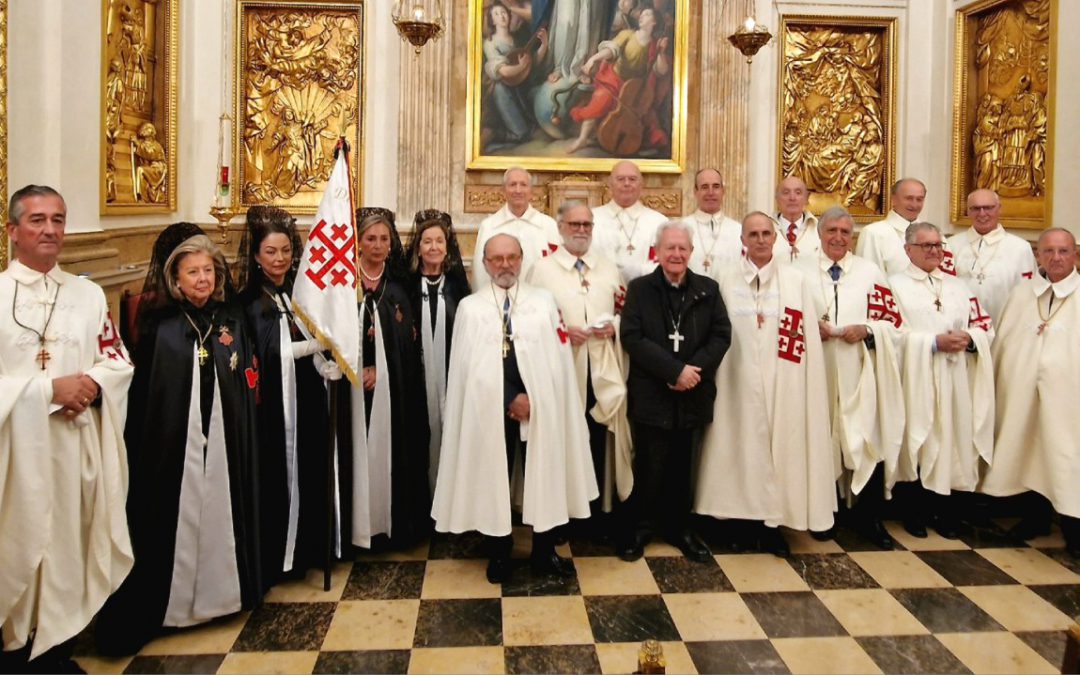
(192, 499)
(437, 284)
(384, 439)
(293, 416)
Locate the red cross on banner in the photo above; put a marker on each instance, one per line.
(881, 306)
(948, 263)
(791, 341)
(979, 318)
(109, 343)
(341, 264)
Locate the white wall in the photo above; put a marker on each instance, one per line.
(54, 95)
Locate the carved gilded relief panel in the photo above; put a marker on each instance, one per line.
(836, 122)
(299, 83)
(1003, 107)
(140, 43)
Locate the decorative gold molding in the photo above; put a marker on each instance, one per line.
(140, 52)
(490, 198)
(3, 134)
(839, 127)
(999, 78)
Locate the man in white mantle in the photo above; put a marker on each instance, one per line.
(535, 230)
(858, 321)
(882, 242)
(625, 229)
(717, 238)
(64, 376)
(590, 295)
(511, 370)
(796, 227)
(948, 377)
(988, 258)
(767, 456)
(1037, 365)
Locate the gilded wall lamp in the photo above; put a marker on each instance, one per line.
(750, 37)
(418, 21)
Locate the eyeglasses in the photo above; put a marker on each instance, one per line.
(504, 259)
(980, 207)
(936, 246)
(580, 225)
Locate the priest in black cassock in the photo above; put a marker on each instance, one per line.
(192, 499)
(676, 330)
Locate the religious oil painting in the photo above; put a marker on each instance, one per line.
(299, 88)
(836, 122)
(139, 85)
(576, 85)
(1003, 108)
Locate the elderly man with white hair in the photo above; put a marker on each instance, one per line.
(535, 231)
(796, 227)
(625, 228)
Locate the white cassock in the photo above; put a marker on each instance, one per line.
(472, 491)
(866, 400)
(537, 232)
(717, 242)
(767, 454)
(882, 243)
(807, 242)
(992, 265)
(64, 545)
(949, 398)
(585, 298)
(1038, 384)
(627, 237)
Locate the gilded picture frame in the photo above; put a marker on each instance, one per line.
(529, 103)
(836, 110)
(140, 50)
(1003, 108)
(298, 88)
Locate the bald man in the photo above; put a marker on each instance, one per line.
(717, 238)
(796, 227)
(625, 229)
(536, 231)
(882, 242)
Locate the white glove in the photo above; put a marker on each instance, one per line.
(329, 369)
(305, 348)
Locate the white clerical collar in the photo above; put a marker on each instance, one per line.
(1062, 289)
(634, 210)
(992, 237)
(526, 217)
(500, 293)
(826, 262)
(567, 259)
(763, 273)
(28, 276)
(708, 218)
(899, 223)
(918, 274)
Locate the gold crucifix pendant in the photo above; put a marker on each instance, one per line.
(505, 347)
(43, 356)
(203, 355)
(708, 262)
(760, 320)
(630, 248)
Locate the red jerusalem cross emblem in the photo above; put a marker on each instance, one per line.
(948, 263)
(881, 306)
(327, 257)
(109, 343)
(791, 342)
(978, 318)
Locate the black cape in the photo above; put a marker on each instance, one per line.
(156, 437)
(312, 438)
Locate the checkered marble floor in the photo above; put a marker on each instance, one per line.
(979, 604)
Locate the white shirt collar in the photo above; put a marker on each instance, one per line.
(526, 217)
(764, 273)
(568, 259)
(705, 218)
(1062, 289)
(634, 210)
(992, 237)
(899, 223)
(826, 262)
(918, 274)
(28, 277)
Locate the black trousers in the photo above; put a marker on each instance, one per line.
(597, 441)
(869, 504)
(662, 494)
(55, 660)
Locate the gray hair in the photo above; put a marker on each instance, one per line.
(15, 206)
(834, 213)
(915, 228)
(997, 199)
(674, 224)
(1049, 230)
(506, 174)
(200, 243)
(565, 207)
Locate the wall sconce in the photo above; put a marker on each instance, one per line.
(418, 21)
(750, 37)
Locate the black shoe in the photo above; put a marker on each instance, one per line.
(946, 526)
(1030, 528)
(915, 527)
(498, 570)
(771, 541)
(552, 564)
(824, 535)
(632, 548)
(875, 533)
(692, 546)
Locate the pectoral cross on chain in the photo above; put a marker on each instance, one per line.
(203, 355)
(676, 338)
(43, 357)
(505, 347)
(708, 262)
(937, 303)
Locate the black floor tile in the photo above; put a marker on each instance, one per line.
(1066, 597)
(286, 626)
(680, 575)
(1062, 557)
(385, 580)
(831, 571)
(965, 568)
(945, 610)
(989, 537)
(468, 545)
(459, 623)
(1049, 644)
(736, 656)
(629, 618)
(552, 659)
(590, 548)
(524, 583)
(911, 654)
(374, 661)
(852, 541)
(196, 663)
(797, 614)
